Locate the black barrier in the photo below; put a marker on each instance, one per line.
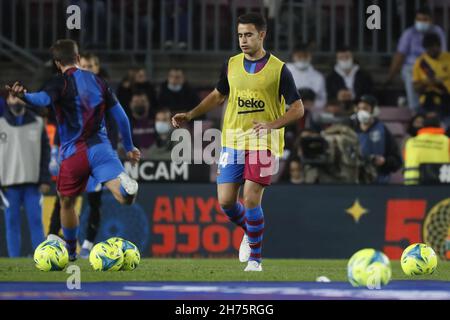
(185, 220)
(168, 171)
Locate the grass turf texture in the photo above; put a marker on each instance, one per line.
(23, 269)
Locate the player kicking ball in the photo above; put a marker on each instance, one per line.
(80, 100)
(257, 85)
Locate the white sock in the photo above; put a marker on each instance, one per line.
(87, 245)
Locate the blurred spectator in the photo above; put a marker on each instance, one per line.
(124, 90)
(176, 94)
(306, 76)
(409, 48)
(162, 148)
(91, 62)
(416, 123)
(24, 171)
(295, 171)
(377, 144)
(347, 81)
(431, 78)
(431, 145)
(142, 84)
(142, 125)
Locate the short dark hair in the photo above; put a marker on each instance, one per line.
(343, 48)
(425, 10)
(431, 39)
(304, 47)
(65, 51)
(253, 18)
(90, 56)
(432, 122)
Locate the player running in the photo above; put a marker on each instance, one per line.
(80, 100)
(257, 85)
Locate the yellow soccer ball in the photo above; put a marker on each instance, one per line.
(51, 255)
(106, 257)
(131, 254)
(418, 259)
(369, 268)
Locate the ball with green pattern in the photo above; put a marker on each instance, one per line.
(418, 259)
(51, 255)
(369, 268)
(131, 254)
(106, 257)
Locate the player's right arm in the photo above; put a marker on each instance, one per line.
(213, 99)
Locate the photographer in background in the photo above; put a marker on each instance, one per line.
(376, 141)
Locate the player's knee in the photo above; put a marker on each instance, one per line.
(227, 203)
(67, 202)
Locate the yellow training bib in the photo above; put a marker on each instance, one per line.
(253, 97)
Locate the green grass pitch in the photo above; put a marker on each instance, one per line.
(23, 269)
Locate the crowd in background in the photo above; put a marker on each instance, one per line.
(340, 139)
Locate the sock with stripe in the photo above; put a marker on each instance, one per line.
(255, 230)
(70, 236)
(237, 215)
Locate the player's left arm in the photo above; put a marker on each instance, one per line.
(292, 98)
(115, 109)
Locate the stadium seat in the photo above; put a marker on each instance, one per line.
(396, 128)
(394, 114)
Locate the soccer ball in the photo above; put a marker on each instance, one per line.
(131, 255)
(51, 255)
(369, 268)
(418, 259)
(106, 257)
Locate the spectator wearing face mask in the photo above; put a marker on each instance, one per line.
(376, 141)
(24, 171)
(176, 94)
(142, 126)
(347, 81)
(306, 76)
(409, 48)
(162, 148)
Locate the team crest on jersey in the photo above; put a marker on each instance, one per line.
(375, 136)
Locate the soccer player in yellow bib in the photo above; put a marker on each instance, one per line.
(258, 85)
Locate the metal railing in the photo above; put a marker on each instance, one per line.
(208, 26)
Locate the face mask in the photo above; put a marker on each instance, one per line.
(174, 87)
(140, 110)
(422, 26)
(302, 64)
(345, 64)
(364, 116)
(162, 127)
(17, 109)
